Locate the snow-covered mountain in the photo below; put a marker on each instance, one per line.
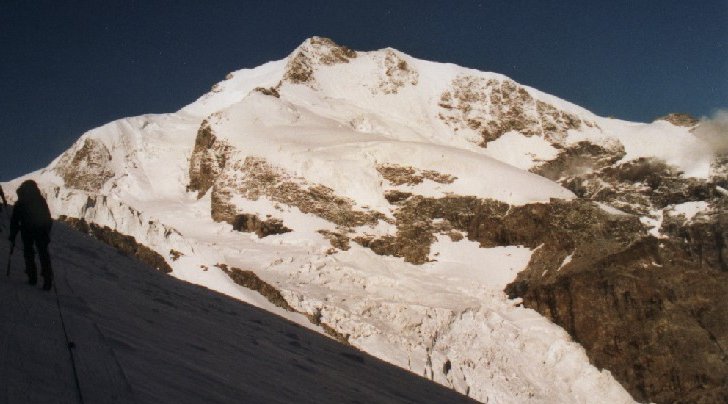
(389, 201)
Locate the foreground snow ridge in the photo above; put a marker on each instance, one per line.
(323, 143)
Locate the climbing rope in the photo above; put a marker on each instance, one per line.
(70, 344)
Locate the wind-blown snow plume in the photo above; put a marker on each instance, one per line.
(714, 131)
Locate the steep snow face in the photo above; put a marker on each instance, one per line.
(235, 87)
(326, 142)
(140, 157)
(328, 152)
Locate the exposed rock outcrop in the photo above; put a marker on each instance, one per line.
(250, 280)
(401, 175)
(658, 323)
(493, 107)
(208, 159)
(558, 225)
(252, 224)
(87, 168)
(270, 91)
(580, 158)
(337, 239)
(212, 167)
(125, 244)
(315, 51)
(254, 178)
(641, 186)
(650, 310)
(679, 119)
(397, 73)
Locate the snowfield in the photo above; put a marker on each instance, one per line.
(447, 320)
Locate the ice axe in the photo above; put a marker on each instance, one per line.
(12, 247)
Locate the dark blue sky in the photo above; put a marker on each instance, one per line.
(69, 66)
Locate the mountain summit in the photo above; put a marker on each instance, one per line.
(437, 217)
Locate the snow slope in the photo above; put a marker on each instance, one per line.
(322, 118)
(142, 337)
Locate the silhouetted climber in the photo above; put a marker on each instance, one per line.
(2, 196)
(33, 218)
(3, 205)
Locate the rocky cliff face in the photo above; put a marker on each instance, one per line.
(207, 161)
(315, 51)
(654, 317)
(493, 107)
(650, 308)
(86, 168)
